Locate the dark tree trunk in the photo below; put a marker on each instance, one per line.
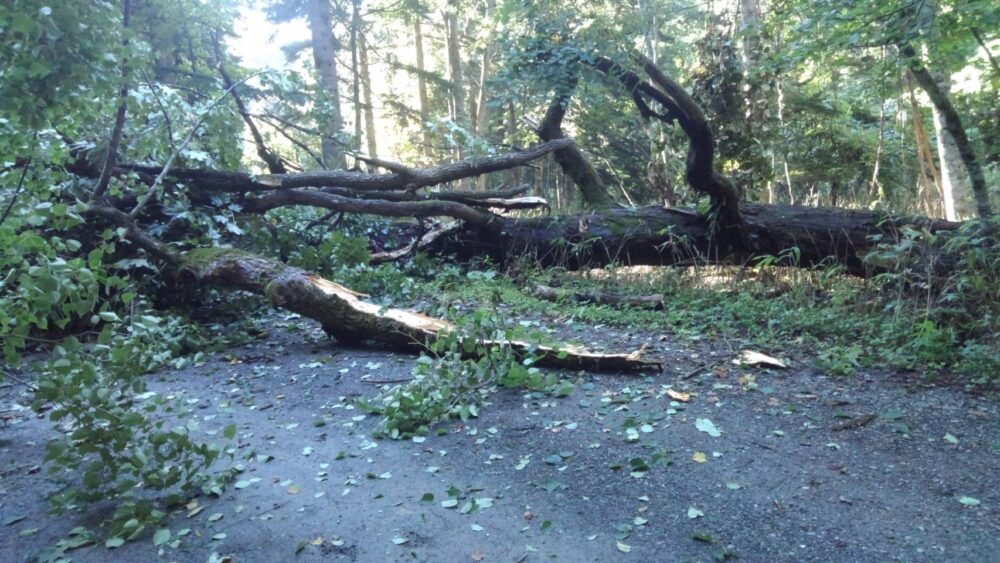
(671, 237)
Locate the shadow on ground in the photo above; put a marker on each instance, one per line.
(619, 470)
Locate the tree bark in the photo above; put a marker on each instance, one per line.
(952, 124)
(345, 316)
(418, 40)
(366, 88)
(356, 75)
(453, 45)
(955, 191)
(672, 237)
(324, 46)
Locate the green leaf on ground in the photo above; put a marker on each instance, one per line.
(708, 427)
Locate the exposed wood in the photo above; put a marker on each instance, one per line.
(344, 315)
(598, 297)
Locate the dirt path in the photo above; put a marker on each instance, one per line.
(616, 471)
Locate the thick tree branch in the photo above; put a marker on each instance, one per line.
(416, 178)
(333, 202)
(680, 106)
(571, 159)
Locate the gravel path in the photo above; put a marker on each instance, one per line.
(759, 464)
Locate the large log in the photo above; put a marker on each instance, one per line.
(344, 315)
(674, 237)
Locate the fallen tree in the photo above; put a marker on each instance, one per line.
(661, 236)
(344, 315)
(730, 232)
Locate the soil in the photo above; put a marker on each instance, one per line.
(804, 467)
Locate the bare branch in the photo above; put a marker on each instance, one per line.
(116, 133)
(427, 208)
(173, 156)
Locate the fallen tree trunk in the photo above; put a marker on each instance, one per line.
(808, 236)
(345, 316)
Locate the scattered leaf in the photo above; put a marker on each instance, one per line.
(624, 547)
(114, 542)
(161, 536)
(969, 501)
(699, 457)
(694, 513)
(702, 537)
(707, 426)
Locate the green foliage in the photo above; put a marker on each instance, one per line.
(457, 376)
(891, 322)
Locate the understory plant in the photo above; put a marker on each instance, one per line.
(76, 318)
(456, 376)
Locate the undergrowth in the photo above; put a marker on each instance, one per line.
(912, 317)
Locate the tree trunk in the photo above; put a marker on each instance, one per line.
(324, 46)
(453, 44)
(672, 237)
(951, 123)
(930, 177)
(345, 316)
(482, 119)
(570, 159)
(356, 75)
(366, 87)
(418, 40)
(957, 201)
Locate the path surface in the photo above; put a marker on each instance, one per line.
(617, 471)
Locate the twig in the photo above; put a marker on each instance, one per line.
(387, 381)
(163, 108)
(695, 371)
(17, 191)
(116, 133)
(173, 156)
(17, 379)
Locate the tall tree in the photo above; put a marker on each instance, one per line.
(418, 43)
(366, 89)
(453, 38)
(325, 47)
